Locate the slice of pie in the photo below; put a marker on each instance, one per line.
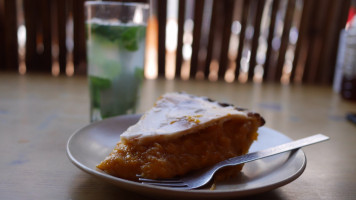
(182, 133)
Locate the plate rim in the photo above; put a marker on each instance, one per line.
(152, 189)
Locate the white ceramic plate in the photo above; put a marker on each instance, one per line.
(90, 145)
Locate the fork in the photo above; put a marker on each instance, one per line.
(201, 177)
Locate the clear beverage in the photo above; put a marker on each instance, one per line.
(348, 88)
(348, 84)
(115, 54)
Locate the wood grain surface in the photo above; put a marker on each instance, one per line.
(38, 113)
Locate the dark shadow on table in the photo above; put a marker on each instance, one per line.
(86, 187)
(273, 195)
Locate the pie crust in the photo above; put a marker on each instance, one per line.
(182, 133)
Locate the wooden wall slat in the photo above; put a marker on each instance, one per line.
(181, 19)
(198, 15)
(211, 38)
(276, 41)
(245, 14)
(228, 11)
(267, 71)
(218, 38)
(2, 35)
(317, 32)
(38, 36)
(256, 35)
(288, 20)
(45, 25)
(302, 47)
(79, 51)
(10, 33)
(61, 20)
(162, 20)
(31, 27)
(330, 28)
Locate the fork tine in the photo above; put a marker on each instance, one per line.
(173, 182)
(179, 184)
(160, 180)
(166, 180)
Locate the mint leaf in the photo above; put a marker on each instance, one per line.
(106, 31)
(97, 84)
(100, 83)
(139, 73)
(132, 36)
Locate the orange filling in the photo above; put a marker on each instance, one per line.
(167, 159)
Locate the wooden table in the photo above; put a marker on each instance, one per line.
(38, 113)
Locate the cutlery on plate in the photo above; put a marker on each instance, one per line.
(201, 177)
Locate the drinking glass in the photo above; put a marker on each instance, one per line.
(116, 36)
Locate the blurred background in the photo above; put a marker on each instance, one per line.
(284, 41)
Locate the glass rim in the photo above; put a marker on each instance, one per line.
(115, 3)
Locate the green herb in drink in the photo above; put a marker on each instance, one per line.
(115, 60)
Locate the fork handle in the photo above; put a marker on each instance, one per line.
(274, 150)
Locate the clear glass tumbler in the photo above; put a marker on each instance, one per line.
(116, 36)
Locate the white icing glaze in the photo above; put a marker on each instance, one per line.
(177, 114)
